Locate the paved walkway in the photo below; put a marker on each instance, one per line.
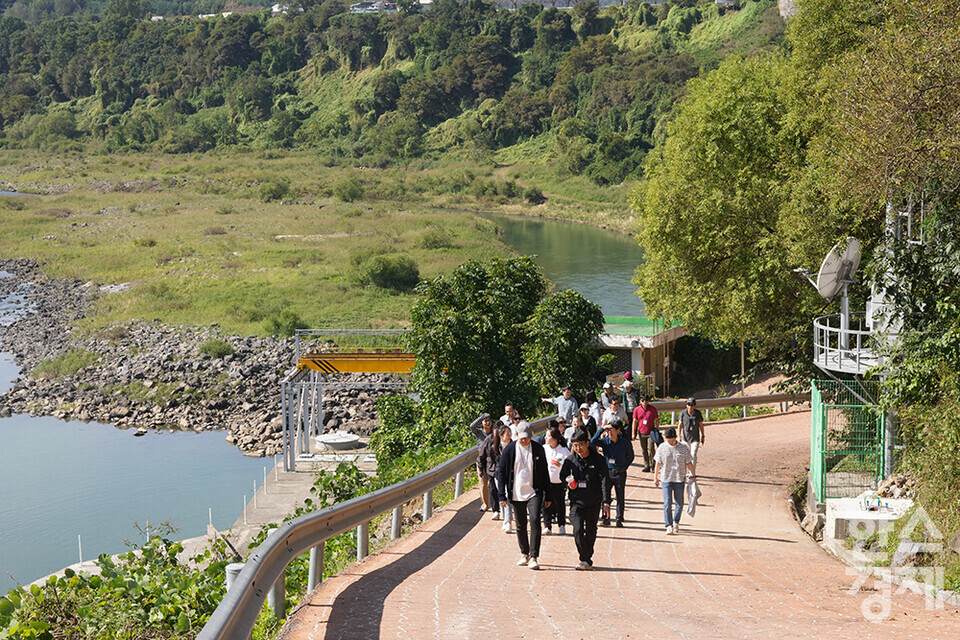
(740, 569)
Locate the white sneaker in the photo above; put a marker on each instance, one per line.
(676, 528)
(533, 564)
(496, 516)
(583, 566)
(524, 561)
(547, 531)
(562, 531)
(670, 531)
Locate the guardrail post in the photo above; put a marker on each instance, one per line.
(232, 571)
(427, 505)
(458, 486)
(315, 571)
(363, 540)
(277, 597)
(744, 410)
(396, 525)
(707, 418)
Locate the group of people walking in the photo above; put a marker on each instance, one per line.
(582, 460)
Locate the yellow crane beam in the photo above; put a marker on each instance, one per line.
(358, 361)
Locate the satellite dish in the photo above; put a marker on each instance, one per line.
(838, 268)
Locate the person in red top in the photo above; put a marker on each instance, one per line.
(646, 419)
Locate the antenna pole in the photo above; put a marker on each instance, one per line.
(844, 318)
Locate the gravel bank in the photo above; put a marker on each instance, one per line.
(147, 376)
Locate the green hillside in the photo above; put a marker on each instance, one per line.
(586, 91)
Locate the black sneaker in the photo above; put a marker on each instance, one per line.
(606, 522)
(620, 523)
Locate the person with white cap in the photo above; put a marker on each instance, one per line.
(691, 428)
(524, 482)
(595, 411)
(607, 395)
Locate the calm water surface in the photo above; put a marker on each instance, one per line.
(64, 479)
(597, 263)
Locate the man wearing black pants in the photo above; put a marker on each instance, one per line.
(618, 452)
(525, 482)
(586, 475)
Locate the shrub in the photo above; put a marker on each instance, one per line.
(349, 189)
(435, 238)
(285, 324)
(274, 188)
(66, 364)
(145, 242)
(533, 195)
(217, 348)
(398, 272)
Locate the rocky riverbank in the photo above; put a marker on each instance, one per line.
(153, 376)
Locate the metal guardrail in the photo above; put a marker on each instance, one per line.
(733, 401)
(235, 615)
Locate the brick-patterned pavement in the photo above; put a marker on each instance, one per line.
(740, 569)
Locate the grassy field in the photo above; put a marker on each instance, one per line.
(249, 239)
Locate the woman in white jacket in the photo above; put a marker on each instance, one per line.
(557, 452)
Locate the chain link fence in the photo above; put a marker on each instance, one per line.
(847, 438)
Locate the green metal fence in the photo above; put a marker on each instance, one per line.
(846, 438)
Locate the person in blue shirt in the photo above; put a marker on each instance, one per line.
(618, 452)
(566, 404)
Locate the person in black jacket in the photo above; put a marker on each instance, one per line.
(585, 472)
(525, 481)
(487, 464)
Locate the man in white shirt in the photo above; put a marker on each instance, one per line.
(615, 414)
(507, 417)
(673, 458)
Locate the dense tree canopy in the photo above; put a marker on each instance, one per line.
(596, 84)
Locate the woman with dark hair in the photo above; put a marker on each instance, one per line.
(504, 437)
(487, 461)
(557, 452)
(591, 419)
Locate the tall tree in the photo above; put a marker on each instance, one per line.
(709, 213)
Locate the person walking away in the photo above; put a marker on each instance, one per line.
(585, 474)
(646, 418)
(566, 404)
(487, 467)
(525, 484)
(618, 452)
(504, 437)
(691, 428)
(672, 459)
(557, 452)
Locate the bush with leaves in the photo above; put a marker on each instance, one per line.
(556, 333)
(285, 324)
(390, 271)
(145, 593)
(217, 348)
